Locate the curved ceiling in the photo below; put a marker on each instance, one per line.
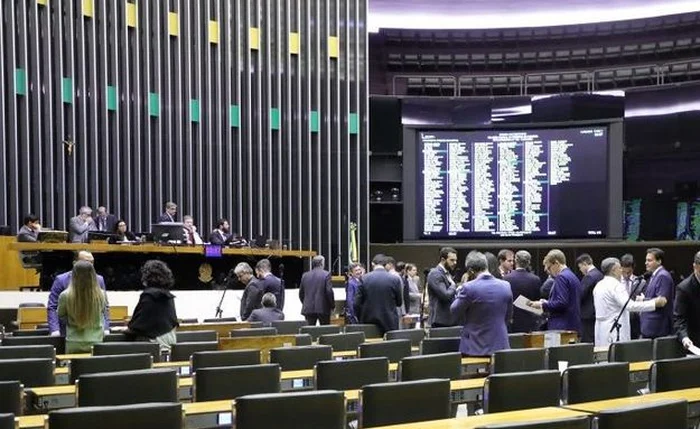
(482, 14)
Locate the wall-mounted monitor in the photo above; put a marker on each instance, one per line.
(544, 182)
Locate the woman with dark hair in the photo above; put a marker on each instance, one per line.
(82, 306)
(121, 233)
(154, 317)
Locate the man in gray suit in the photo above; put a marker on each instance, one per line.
(442, 289)
(269, 311)
(29, 232)
(80, 225)
(378, 296)
(316, 293)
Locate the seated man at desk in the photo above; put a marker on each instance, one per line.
(60, 284)
(269, 311)
(29, 232)
(190, 231)
(221, 234)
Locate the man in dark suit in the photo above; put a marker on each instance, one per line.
(269, 311)
(316, 293)
(686, 308)
(105, 221)
(657, 323)
(484, 306)
(442, 289)
(591, 277)
(378, 296)
(564, 303)
(523, 282)
(170, 213)
(635, 286)
(252, 295)
(221, 234)
(270, 283)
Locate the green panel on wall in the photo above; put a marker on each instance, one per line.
(353, 123)
(235, 115)
(20, 82)
(112, 99)
(195, 114)
(153, 104)
(275, 118)
(313, 121)
(67, 90)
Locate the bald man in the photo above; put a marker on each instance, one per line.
(57, 327)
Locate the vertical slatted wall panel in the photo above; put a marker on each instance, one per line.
(231, 108)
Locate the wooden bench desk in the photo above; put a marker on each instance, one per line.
(690, 395)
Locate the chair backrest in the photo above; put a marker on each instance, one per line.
(304, 357)
(394, 350)
(252, 332)
(31, 372)
(127, 387)
(445, 332)
(444, 365)
(370, 330)
(288, 327)
(11, 397)
(517, 360)
(99, 364)
(225, 358)
(21, 352)
(350, 373)
(317, 331)
(667, 348)
(7, 421)
(115, 338)
(183, 351)
(631, 351)
(303, 340)
(30, 332)
(106, 349)
(30, 314)
(414, 335)
(517, 341)
(342, 342)
(521, 390)
(405, 402)
(139, 416)
(431, 346)
(574, 354)
(581, 422)
(196, 336)
(674, 374)
(230, 382)
(595, 382)
(58, 343)
(317, 409)
(665, 414)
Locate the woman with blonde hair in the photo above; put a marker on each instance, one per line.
(82, 306)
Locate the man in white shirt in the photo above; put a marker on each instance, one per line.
(635, 286)
(609, 296)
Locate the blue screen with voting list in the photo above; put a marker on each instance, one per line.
(513, 183)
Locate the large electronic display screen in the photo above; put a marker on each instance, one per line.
(513, 183)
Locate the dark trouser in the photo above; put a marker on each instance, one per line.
(635, 329)
(323, 319)
(588, 331)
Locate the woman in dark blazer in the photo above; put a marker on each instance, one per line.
(121, 233)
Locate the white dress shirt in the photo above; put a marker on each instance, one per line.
(609, 296)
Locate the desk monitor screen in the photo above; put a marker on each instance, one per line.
(213, 251)
(168, 232)
(99, 236)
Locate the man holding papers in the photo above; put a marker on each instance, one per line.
(609, 296)
(564, 303)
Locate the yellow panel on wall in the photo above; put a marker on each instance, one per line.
(88, 8)
(254, 36)
(213, 32)
(333, 46)
(294, 43)
(173, 24)
(131, 15)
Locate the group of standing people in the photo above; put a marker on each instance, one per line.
(78, 307)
